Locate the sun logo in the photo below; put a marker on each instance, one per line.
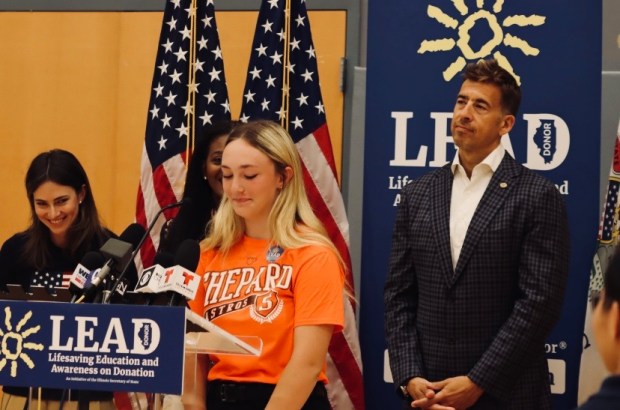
(498, 35)
(13, 342)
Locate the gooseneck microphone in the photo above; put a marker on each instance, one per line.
(143, 238)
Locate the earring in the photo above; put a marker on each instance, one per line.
(204, 177)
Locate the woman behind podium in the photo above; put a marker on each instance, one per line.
(64, 226)
(269, 270)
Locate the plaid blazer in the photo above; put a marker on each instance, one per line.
(489, 317)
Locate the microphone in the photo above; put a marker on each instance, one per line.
(145, 235)
(118, 252)
(83, 273)
(151, 277)
(183, 281)
(186, 200)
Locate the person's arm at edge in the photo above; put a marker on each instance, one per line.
(299, 377)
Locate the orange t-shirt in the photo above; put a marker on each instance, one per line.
(258, 290)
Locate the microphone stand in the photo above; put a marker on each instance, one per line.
(108, 296)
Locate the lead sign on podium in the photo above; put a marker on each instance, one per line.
(105, 347)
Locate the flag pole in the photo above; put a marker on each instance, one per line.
(284, 121)
(191, 85)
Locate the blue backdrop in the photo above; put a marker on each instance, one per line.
(416, 51)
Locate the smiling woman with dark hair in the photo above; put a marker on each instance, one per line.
(203, 186)
(64, 226)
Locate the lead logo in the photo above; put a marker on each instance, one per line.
(498, 30)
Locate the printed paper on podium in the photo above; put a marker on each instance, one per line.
(205, 337)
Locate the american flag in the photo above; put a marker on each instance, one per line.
(274, 49)
(188, 41)
(592, 370)
(51, 280)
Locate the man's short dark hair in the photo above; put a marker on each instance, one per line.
(489, 71)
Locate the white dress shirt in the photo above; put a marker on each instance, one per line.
(466, 194)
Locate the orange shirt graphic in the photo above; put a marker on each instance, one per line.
(247, 294)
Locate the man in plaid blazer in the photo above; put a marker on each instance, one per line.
(478, 266)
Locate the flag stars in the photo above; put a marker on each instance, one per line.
(276, 58)
(280, 113)
(226, 106)
(300, 20)
(158, 90)
(177, 3)
(295, 44)
(291, 68)
(193, 87)
(267, 26)
(244, 118)
(163, 68)
(255, 73)
(188, 108)
(154, 112)
(176, 77)
(262, 50)
(180, 54)
(182, 130)
(207, 21)
(270, 81)
(166, 121)
(168, 46)
(272, 4)
(206, 118)
(215, 74)
(170, 98)
(186, 33)
(198, 65)
(307, 75)
(249, 96)
(202, 43)
(217, 52)
(265, 105)
(320, 108)
(285, 90)
(281, 34)
(172, 24)
(310, 52)
(297, 122)
(210, 96)
(162, 143)
(303, 99)
(191, 11)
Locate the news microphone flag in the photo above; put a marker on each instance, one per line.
(592, 370)
(188, 92)
(283, 58)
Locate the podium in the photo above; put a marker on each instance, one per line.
(108, 347)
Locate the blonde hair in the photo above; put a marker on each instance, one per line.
(292, 222)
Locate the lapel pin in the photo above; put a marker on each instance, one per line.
(503, 185)
(274, 253)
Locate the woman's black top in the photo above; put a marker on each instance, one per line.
(14, 270)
